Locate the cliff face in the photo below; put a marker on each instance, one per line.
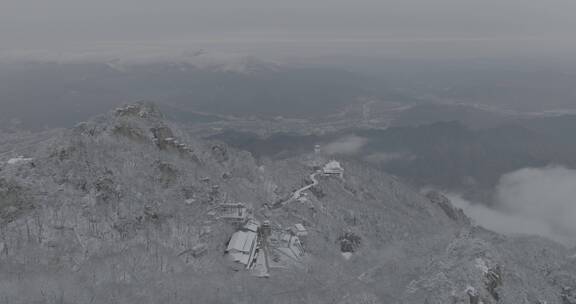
(114, 211)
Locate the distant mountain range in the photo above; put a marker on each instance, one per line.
(55, 90)
(38, 95)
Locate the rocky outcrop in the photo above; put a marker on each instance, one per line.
(220, 152)
(443, 202)
(349, 242)
(493, 281)
(13, 200)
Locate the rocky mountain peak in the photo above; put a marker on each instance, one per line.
(142, 109)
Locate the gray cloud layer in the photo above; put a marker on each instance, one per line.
(348, 145)
(539, 201)
(39, 23)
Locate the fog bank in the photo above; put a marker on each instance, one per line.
(539, 201)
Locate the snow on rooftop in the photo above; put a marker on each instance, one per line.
(242, 246)
(333, 165)
(241, 241)
(252, 226)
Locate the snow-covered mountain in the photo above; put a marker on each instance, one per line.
(124, 209)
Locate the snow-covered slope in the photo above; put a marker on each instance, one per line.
(111, 210)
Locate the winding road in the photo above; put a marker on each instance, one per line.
(298, 193)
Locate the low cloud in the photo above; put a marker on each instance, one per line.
(348, 145)
(548, 194)
(499, 221)
(539, 201)
(383, 158)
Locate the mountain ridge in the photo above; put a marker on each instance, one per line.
(109, 211)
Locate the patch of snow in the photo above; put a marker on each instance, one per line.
(471, 291)
(412, 287)
(18, 160)
(300, 227)
(481, 264)
(347, 255)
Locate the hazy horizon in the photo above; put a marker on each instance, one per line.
(293, 28)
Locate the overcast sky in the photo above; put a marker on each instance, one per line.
(49, 23)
